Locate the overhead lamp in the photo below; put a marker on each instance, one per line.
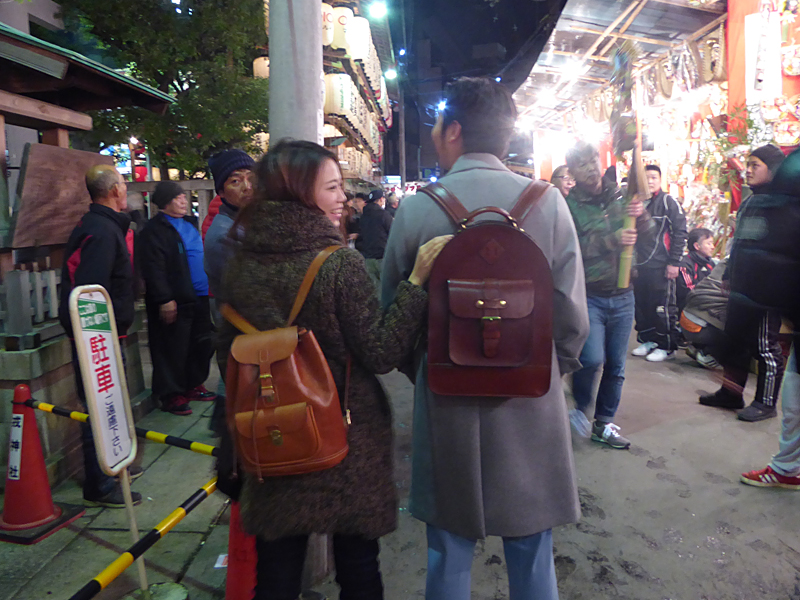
(573, 70)
(402, 52)
(390, 74)
(498, 79)
(133, 141)
(434, 179)
(378, 10)
(441, 106)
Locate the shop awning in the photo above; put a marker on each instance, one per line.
(41, 71)
(576, 61)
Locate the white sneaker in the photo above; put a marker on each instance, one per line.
(659, 355)
(580, 424)
(706, 360)
(645, 349)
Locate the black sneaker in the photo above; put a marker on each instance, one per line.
(757, 411)
(113, 499)
(608, 433)
(723, 398)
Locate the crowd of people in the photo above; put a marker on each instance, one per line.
(480, 466)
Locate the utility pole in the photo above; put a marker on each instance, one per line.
(295, 73)
(402, 135)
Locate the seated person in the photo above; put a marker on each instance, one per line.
(696, 264)
(703, 316)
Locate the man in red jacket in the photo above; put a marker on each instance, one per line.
(97, 253)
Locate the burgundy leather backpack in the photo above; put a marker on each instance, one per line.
(490, 316)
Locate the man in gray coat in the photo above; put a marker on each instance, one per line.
(492, 466)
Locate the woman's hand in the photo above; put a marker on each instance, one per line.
(426, 255)
(168, 312)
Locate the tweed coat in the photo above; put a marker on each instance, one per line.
(357, 496)
(492, 466)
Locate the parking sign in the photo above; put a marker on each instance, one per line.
(100, 358)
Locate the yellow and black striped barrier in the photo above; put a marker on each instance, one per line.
(126, 559)
(153, 436)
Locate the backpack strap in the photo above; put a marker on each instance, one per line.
(530, 196)
(308, 281)
(235, 319)
(447, 202)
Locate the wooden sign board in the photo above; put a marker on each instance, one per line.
(51, 194)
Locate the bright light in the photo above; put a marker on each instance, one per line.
(498, 79)
(441, 106)
(402, 51)
(133, 141)
(530, 161)
(434, 179)
(573, 70)
(377, 10)
(390, 74)
(547, 97)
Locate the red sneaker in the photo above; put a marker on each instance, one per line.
(177, 405)
(769, 478)
(200, 393)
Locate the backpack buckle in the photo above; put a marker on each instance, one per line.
(276, 436)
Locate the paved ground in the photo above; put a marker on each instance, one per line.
(666, 520)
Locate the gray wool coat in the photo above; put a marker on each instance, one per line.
(490, 466)
(357, 496)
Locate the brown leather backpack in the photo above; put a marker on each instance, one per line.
(490, 315)
(282, 407)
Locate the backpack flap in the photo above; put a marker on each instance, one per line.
(490, 322)
(262, 349)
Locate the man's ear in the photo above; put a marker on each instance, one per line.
(453, 132)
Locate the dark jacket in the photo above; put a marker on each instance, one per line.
(373, 230)
(162, 259)
(357, 496)
(694, 268)
(709, 298)
(670, 237)
(597, 220)
(764, 264)
(97, 253)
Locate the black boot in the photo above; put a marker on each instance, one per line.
(723, 398)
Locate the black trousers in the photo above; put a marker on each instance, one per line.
(181, 351)
(753, 333)
(656, 308)
(280, 568)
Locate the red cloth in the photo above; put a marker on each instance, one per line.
(213, 211)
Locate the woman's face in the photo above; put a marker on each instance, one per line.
(328, 192)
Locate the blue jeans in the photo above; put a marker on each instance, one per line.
(529, 560)
(787, 460)
(611, 321)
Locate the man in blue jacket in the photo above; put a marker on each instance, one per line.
(97, 253)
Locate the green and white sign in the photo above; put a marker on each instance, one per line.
(103, 375)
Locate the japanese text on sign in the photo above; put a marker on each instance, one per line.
(15, 447)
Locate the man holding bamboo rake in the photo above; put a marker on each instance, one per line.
(599, 212)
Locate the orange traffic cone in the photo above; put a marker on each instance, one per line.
(240, 582)
(29, 514)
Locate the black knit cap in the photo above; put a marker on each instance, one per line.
(225, 163)
(375, 195)
(165, 192)
(770, 155)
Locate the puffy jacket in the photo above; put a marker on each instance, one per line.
(670, 239)
(709, 298)
(97, 253)
(162, 259)
(373, 229)
(694, 268)
(765, 261)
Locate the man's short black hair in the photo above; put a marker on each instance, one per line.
(361, 196)
(655, 168)
(697, 235)
(486, 112)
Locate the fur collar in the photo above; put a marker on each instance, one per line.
(287, 228)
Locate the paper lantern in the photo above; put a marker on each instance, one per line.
(327, 24)
(261, 67)
(342, 16)
(359, 38)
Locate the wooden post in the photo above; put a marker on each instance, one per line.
(56, 137)
(5, 206)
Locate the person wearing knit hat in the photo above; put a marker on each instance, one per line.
(232, 172)
(176, 296)
(762, 164)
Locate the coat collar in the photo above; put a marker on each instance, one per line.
(123, 220)
(286, 228)
(477, 160)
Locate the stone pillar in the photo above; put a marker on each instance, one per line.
(295, 74)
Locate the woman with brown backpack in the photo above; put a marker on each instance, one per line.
(295, 214)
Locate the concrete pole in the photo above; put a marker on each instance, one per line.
(295, 73)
